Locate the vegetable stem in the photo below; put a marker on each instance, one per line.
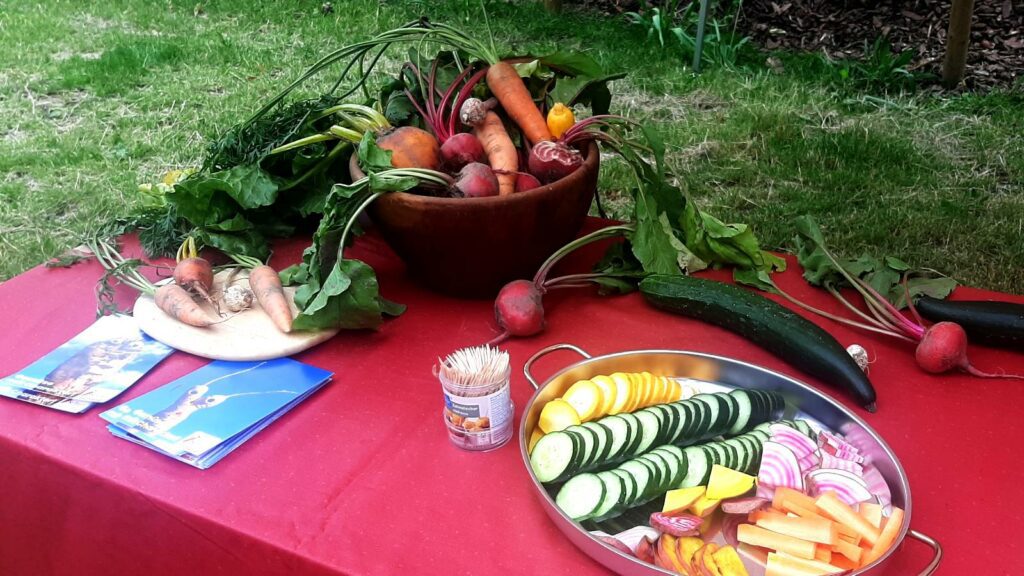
(876, 300)
(839, 319)
(600, 234)
(877, 321)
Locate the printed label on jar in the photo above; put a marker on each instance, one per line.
(478, 413)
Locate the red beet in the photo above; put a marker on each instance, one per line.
(475, 180)
(518, 308)
(944, 347)
(461, 149)
(551, 161)
(526, 182)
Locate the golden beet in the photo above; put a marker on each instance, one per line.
(411, 148)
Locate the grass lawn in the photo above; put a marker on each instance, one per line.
(98, 97)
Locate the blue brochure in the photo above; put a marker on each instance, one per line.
(201, 417)
(93, 367)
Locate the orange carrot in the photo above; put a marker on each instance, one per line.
(813, 529)
(509, 89)
(501, 152)
(851, 551)
(872, 513)
(266, 285)
(887, 538)
(178, 304)
(832, 506)
(756, 536)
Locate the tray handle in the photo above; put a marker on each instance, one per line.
(936, 548)
(544, 352)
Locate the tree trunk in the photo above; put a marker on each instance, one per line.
(554, 6)
(960, 16)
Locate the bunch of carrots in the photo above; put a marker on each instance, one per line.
(192, 285)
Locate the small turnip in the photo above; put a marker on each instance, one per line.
(475, 180)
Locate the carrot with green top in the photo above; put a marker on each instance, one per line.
(170, 298)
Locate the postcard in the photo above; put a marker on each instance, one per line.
(204, 415)
(95, 366)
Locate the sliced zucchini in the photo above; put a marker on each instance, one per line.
(581, 496)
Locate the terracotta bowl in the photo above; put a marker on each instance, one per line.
(470, 247)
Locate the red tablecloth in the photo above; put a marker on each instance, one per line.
(361, 478)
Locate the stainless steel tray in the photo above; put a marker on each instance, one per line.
(716, 372)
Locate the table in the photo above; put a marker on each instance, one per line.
(361, 478)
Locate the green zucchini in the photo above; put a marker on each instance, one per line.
(765, 323)
(986, 322)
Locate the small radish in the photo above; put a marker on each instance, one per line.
(475, 180)
(939, 348)
(944, 347)
(519, 310)
(440, 110)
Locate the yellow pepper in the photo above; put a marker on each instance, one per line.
(560, 119)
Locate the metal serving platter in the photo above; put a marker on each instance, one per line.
(709, 373)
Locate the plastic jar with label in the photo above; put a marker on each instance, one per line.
(478, 417)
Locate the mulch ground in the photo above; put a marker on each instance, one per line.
(845, 28)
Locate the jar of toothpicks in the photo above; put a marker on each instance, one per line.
(477, 404)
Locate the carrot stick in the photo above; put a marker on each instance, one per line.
(501, 152)
(887, 538)
(178, 304)
(509, 89)
(266, 285)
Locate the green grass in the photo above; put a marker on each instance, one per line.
(98, 97)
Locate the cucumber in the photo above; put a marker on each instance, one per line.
(552, 457)
(614, 489)
(986, 322)
(581, 496)
(699, 463)
(765, 323)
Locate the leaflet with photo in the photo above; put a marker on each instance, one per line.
(95, 366)
(203, 416)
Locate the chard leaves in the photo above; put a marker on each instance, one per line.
(672, 235)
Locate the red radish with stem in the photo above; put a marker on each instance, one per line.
(944, 347)
(519, 309)
(940, 348)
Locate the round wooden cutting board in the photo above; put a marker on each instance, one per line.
(240, 336)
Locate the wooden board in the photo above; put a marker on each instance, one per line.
(241, 336)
